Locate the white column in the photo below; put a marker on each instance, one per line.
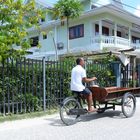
(100, 34)
(115, 33)
(100, 27)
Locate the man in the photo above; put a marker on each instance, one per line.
(78, 76)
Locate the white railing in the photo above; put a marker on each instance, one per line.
(112, 41)
(103, 39)
(122, 41)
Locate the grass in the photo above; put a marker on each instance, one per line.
(11, 117)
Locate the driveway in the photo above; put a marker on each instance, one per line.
(111, 125)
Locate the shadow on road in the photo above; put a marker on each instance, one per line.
(107, 114)
(88, 117)
(114, 114)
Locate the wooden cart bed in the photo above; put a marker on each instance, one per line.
(111, 93)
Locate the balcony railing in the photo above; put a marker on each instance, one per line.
(112, 41)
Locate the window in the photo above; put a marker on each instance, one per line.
(76, 31)
(105, 30)
(96, 29)
(119, 33)
(34, 41)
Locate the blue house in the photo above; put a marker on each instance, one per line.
(103, 26)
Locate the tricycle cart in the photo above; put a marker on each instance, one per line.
(104, 98)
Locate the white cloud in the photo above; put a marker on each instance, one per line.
(137, 12)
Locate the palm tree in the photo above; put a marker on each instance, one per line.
(66, 9)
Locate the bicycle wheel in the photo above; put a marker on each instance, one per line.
(66, 116)
(128, 105)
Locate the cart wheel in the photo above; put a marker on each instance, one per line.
(128, 105)
(65, 111)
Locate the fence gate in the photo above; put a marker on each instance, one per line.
(129, 76)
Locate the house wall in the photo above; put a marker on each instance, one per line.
(62, 35)
(47, 44)
(79, 42)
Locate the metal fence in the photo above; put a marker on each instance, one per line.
(33, 85)
(21, 85)
(129, 76)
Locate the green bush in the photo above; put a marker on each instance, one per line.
(22, 81)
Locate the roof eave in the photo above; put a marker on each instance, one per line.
(113, 10)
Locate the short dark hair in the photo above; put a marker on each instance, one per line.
(78, 60)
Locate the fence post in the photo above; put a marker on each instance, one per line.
(138, 74)
(117, 71)
(44, 85)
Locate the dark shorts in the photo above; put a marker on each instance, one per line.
(86, 91)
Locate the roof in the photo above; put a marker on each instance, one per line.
(110, 8)
(115, 10)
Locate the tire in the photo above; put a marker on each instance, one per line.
(65, 115)
(128, 105)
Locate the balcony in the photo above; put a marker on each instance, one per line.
(113, 43)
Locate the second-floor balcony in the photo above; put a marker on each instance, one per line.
(112, 42)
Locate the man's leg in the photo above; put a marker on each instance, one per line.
(89, 101)
(88, 95)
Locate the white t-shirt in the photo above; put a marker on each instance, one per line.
(78, 72)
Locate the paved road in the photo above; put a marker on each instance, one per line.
(111, 125)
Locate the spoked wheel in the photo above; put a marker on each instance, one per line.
(128, 105)
(66, 114)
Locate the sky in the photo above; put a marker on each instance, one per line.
(133, 3)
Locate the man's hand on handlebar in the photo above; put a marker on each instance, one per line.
(94, 78)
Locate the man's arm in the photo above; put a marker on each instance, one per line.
(87, 80)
